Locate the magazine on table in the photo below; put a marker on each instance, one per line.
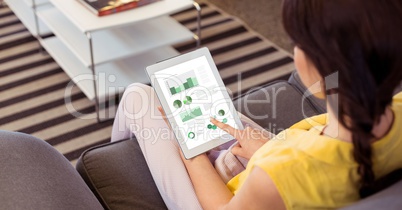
(107, 7)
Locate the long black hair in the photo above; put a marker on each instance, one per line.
(362, 41)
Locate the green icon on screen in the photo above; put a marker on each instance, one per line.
(188, 100)
(214, 127)
(211, 126)
(191, 135)
(190, 82)
(190, 114)
(177, 104)
(221, 112)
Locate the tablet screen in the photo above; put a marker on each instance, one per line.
(193, 95)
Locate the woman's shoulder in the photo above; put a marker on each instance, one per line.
(307, 144)
(310, 179)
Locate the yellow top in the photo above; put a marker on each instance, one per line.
(314, 171)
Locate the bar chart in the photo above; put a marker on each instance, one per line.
(179, 83)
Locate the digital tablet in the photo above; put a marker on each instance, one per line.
(191, 91)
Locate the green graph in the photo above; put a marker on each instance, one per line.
(221, 112)
(190, 82)
(188, 100)
(190, 114)
(177, 104)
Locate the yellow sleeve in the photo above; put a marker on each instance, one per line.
(272, 172)
(299, 183)
(398, 98)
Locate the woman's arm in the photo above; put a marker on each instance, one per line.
(249, 140)
(211, 191)
(258, 192)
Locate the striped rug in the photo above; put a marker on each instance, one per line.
(32, 85)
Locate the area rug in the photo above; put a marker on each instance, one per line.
(32, 84)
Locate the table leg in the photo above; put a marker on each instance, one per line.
(198, 35)
(37, 35)
(92, 67)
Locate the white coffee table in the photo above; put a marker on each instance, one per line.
(103, 55)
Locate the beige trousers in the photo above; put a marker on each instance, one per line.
(138, 115)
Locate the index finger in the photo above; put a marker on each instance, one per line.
(229, 129)
(162, 112)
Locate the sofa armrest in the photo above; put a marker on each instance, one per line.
(34, 175)
(319, 104)
(118, 175)
(389, 198)
(276, 106)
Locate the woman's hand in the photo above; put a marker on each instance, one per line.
(250, 139)
(167, 123)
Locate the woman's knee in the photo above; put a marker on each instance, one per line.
(136, 92)
(136, 88)
(137, 100)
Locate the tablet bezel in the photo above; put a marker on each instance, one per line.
(151, 70)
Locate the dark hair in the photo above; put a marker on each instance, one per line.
(362, 41)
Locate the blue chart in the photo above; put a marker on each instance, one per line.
(179, 83)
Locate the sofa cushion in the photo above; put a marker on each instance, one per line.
(389, 198)
(118, 175)
(319, 104)
(34, 175)
(275, 106)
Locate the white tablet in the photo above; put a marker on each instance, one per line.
(191, 91)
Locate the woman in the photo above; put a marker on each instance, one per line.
(330, 163)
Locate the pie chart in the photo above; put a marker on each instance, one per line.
(188, 100)
(177, 104)
(221, 112)
(191, 135)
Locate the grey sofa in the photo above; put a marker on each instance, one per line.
(115, 175)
